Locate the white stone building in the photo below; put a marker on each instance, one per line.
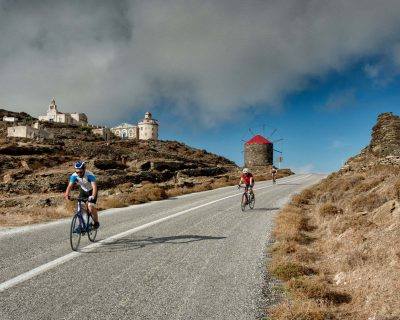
(147, 129)
(126, 131)
(28, 132)
(9, 119)
(105, 133)
(53, 115)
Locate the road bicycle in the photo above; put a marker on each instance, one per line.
(82, 223)
(248, 198)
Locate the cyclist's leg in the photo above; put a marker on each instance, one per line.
(93, 210)
(251, 189)
(247, 191)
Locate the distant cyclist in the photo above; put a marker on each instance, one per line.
(86, 181)
(247, 179)
(273, 174)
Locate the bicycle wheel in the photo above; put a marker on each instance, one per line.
(92, 232)
(75, 233)
(244, 202)
(252, 201)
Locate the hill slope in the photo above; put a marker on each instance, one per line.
(336, 244)
(34, 174)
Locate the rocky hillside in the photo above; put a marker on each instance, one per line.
(336, 248)
(33, 174)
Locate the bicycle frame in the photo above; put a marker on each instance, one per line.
(79, 226)
(79, 212)
(246, 193)
(248, 196)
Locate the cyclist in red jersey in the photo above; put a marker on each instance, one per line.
(247, 179)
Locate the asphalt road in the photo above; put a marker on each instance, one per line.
(196, 256)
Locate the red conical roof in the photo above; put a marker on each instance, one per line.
(258, 139)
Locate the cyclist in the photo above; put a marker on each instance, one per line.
(247, 179)
(273, 174)
(86, 181)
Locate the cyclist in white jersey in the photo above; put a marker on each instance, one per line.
(86, 181)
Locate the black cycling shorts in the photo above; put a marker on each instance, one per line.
(86, 194)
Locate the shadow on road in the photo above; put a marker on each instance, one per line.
(264, 209)
(132, 243)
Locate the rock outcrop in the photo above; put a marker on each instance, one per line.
(384, 148)
(386, 136)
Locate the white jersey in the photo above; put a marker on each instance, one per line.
(85, 182)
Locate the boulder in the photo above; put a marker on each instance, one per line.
(171, 165)
(106, 164)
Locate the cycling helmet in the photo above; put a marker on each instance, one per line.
(80, 165)
(245, 170)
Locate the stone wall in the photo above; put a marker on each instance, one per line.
(258, 154)
(28, 132)
(22, 132)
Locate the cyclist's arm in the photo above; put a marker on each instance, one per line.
(241, 181)
(68, 190)
(94, 186)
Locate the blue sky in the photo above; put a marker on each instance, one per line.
(322, 125)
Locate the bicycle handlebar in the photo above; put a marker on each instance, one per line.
(78, 199)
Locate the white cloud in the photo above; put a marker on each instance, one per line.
(372, 70)
(207, 59)
(340, 100)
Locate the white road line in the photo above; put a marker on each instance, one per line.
(50, 265)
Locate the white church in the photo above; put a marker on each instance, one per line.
(53, 115)
(147, 129)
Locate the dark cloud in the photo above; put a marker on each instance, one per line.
(209, 59)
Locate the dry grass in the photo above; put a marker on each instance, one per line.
(396, 189)
(299, 310)
(304, 198)
(367, 201)
(344, 229)
(289, 270)
(151, 192)
(19, 217)
(291, 224)
(112, 202)
(204, 186)
(148, 193)
(328, 209)
(317, 288)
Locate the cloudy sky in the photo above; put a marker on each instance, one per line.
(209, 70)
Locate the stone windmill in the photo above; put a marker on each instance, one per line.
(259, 151)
